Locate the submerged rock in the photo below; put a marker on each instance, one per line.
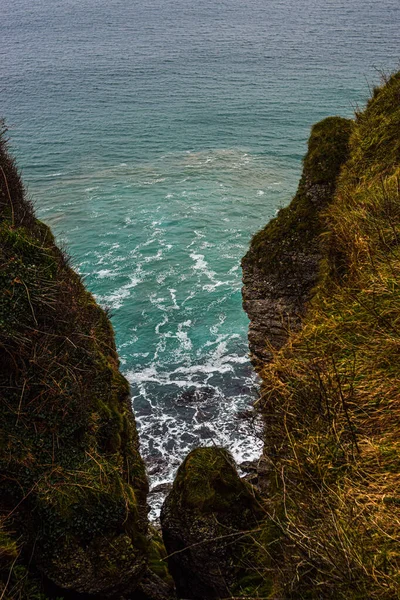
(209, 522)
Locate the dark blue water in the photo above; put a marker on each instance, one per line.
(155, 138)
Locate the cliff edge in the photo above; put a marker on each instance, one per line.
(321, 288)
(73, 512)
(281, 267)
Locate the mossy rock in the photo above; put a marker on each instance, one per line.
(211, 522)
(73, 482)
(297, 227)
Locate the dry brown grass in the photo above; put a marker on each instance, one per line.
(331, 396)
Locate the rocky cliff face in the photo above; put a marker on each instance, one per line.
(281, 267)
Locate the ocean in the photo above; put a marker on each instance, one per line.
(155, 138)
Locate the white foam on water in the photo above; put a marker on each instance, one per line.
(158, 256)
(153, 181)
(158, 301)
(116, 299)
(191, 295)
(160, 324)
(189, 374)
(214, 328)
(210, 287)
(161, 277)
(183, 337)
(201, 265)
(106, 273)
(173, 297)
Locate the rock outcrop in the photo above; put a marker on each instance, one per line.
(282, 265)
(210, 521)
(321, 287)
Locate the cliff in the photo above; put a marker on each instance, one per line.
(321, 287)
(281, 267)
(73, 512)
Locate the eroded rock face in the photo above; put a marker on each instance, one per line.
(282, 265)
(275, 297)
(208, 521)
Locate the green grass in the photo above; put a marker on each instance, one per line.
(297, 227)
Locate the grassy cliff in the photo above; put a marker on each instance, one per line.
(281, 267)
(327, 523)
(73, 512)
(331, 395)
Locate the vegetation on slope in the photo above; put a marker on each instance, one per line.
(281, 267)
(331, 397)
(73, 501)
(296, 227)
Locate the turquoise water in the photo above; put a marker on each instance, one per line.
(155, 138)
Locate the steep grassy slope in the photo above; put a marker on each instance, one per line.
(331, 396)
(73, 485)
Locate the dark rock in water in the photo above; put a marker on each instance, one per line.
(206, 520)
(249, 466)
(155, 465)
(161, 488)
(205, 433)
(195, 395)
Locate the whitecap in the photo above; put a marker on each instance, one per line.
(105, 273)
(173, 297)
(116, 298)
(202, 266)
(210, 287)
(183, 337)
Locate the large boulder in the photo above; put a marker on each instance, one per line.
(210, 522)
